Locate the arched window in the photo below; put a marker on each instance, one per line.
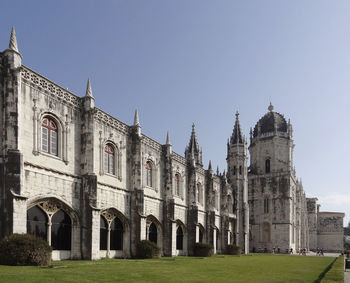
(179, 238)
(37, 222)
(267, 166)
(109, 159)
(266, 205)
(49, 136)
(152, 233)
(149, 173)
(103, 233)
(234, 170)
(61, 231)
(117, 234)
(240, 170)
(177, 184)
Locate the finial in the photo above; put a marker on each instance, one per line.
(136, 118)
(209, 166)
(167, 138)
(217, 170)
(270, 108)
(13, 40)
(237, 114)
(193, 129)
(88, 89)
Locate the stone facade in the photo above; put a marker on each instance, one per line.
(93, 186)
(281, 216)
(56, 161)
(326, 228)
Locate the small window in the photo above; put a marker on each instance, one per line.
(109, 159)
(177, 184)
(49, 136)
(267, 166)
(240, 170)
(149, 173)
(234, 170)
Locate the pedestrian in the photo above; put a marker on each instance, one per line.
(291, 251)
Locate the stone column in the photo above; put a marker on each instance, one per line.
(143, 229)
(49, 225)
(109, 240)
(173, 238)
(214, 240)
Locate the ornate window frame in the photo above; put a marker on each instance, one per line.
(117, 157)
(62, 135)
(155, 168)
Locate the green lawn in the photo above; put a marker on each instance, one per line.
(251, 268)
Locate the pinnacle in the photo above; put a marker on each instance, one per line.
(209, 166)
(168, 138)
(136, 118)
(237, 133)
(13, 40)
(88, 89)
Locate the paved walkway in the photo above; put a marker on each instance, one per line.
(347, 276)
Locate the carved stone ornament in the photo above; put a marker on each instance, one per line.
(50, 206)
(109, 215)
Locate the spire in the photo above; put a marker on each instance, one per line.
(237, 133)
(209, 166)
(167, 138)
(88, 89)
(192, 149)
(217, 170)
(270, 108)
(13, 41)
(136, 118)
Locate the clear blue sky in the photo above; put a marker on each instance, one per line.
(180, 62)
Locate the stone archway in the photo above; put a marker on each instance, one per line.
(62, 226)
(154, 230)
(114, 234)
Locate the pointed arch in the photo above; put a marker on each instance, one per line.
(117, 234)
(62, 226)
(154, 230)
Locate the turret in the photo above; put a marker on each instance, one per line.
(12, 55)
(168, 144)
(236, 152)
(192, 153)
(88, 99)
(136, 125)
(270, 132)
(237, 175)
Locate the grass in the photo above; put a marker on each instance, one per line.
(250, 268)
(336, 273)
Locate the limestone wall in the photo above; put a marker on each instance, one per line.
(330, 231)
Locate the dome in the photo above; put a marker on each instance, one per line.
(268, 123)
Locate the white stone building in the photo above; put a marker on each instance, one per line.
(93, 186)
